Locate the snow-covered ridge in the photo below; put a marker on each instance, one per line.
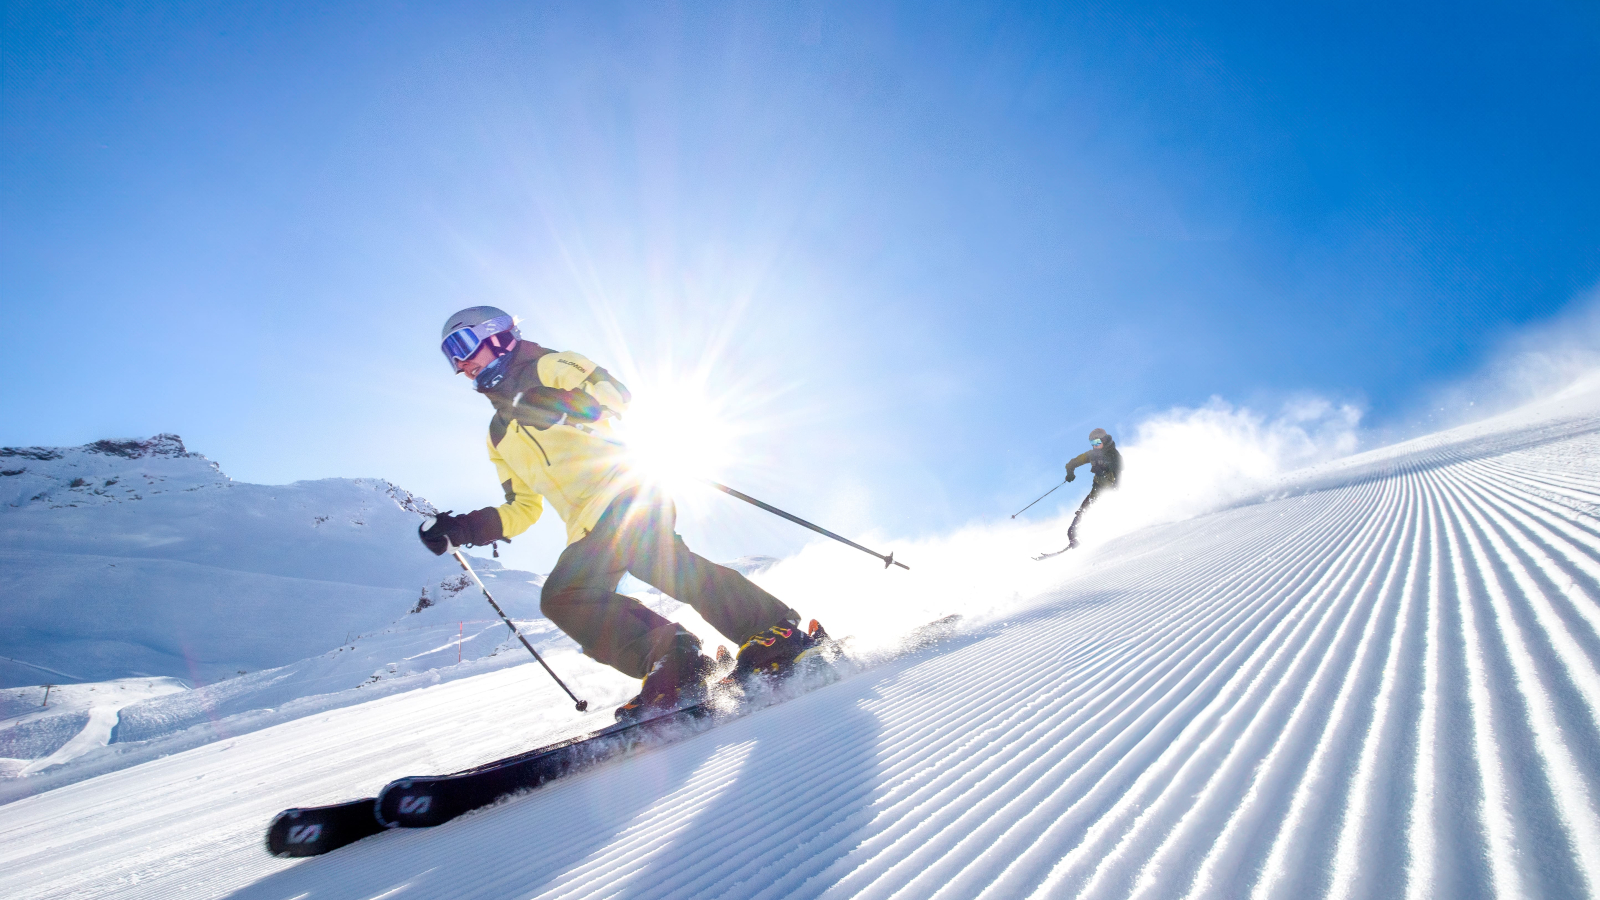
(162, 445)
(140, 558)
(116, 471)
(106, 471)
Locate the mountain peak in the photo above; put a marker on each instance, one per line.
(163, 445)
(104, 471)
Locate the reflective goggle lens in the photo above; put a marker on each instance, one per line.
(1095, 443)
(463, 342)
(460, 344)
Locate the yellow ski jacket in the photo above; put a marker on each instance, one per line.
(550, 439)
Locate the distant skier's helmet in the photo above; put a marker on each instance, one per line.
(1098, 437)
(468, 329)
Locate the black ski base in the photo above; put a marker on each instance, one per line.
(422, 801)
(428, 800)
(315, 830)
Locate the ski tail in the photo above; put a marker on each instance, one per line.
(315, 830)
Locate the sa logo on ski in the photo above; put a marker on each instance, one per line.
(415, 806)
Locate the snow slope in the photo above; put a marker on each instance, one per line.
(1380, 679)
(40, 728)
(125, 559)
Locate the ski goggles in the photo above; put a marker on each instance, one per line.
(1096, 442)
(463, 342)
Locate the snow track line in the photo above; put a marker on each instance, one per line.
(1254, 766)
(1421, 864)
(1318, 782)
(1077, 770)
(1359, 808)
(1513, 547)
(1494, 817)
(1573, 795)
(1264, 655)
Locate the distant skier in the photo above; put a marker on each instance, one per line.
(1105, 462)
(549, 440)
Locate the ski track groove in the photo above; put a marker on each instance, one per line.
(1313, 786)
(1355, 818)
(1495, 819)
(1421, 843)
(1385, 687)
(1571, 792)
(1193, 691)
(1002, 885)
(1078, 770)
(1252, 765)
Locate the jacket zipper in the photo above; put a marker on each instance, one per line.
(548, 464)
(539, 445)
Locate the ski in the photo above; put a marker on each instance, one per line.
(422, 801)
(1049, 555)
(425, 801)
(313, 831)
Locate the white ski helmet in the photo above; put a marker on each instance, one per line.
(465, 331)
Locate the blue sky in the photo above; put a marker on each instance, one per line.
(913, 251)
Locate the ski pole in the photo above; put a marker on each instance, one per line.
(888, 560)
(1041, 497)
(455, 551)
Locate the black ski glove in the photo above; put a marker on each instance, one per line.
(1070, 475)
(475, 529)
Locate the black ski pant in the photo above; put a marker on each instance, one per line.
(1072, 530)
(637, 535)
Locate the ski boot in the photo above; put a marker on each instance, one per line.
(675, 681)
(777, 650)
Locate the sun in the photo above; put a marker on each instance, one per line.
(676, 432)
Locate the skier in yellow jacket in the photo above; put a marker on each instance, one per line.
(550, 442)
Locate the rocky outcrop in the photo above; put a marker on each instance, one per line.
(166, 446)
(105, 471)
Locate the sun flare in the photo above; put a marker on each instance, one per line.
(676, 433)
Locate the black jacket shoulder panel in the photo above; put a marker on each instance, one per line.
(524, 398)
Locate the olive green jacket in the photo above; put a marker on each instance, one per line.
(1105, 462)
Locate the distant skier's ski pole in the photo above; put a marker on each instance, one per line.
(888, 560)
(456, 552)
(1041, 497)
